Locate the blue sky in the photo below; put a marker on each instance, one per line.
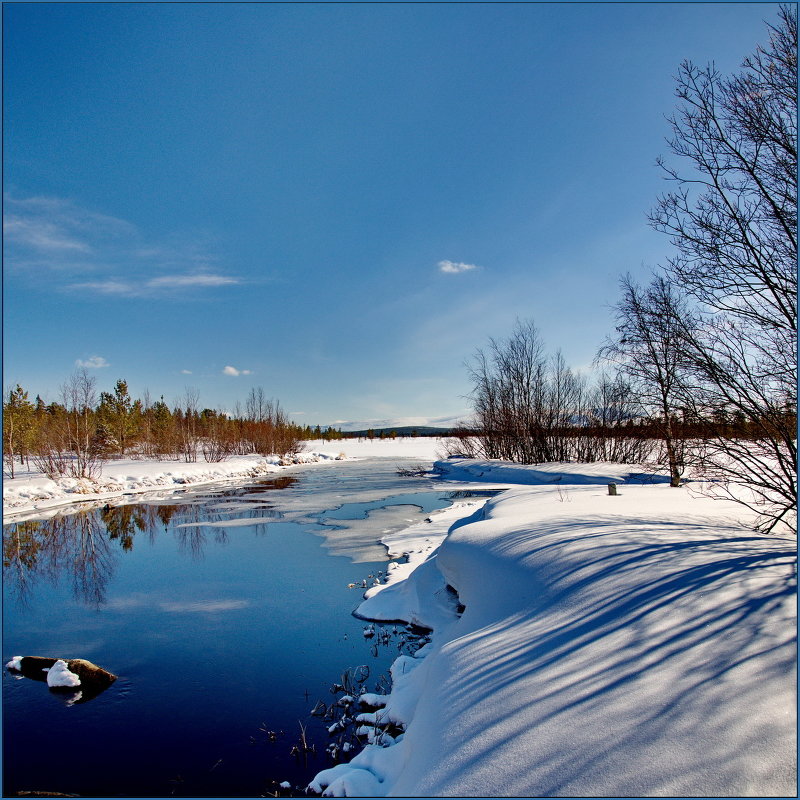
(336, 202)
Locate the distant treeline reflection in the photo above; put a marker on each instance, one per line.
(85, 545)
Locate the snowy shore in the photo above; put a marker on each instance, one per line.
(583, 644)
(31, 493)
(637, 645)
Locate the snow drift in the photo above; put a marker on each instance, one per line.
(642, 644)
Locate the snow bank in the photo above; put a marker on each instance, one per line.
(507, 472)
(33, 492)
(425, 601)
(634, 645)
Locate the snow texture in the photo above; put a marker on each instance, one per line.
(371, 699)
(636, 645)
(59, 676)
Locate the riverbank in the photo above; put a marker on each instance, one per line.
(30, 492)
(633, 645)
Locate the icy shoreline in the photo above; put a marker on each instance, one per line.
(636, 645)
(31, 493)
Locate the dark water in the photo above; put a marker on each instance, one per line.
(226, 616)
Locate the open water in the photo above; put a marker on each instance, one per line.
(226, 614)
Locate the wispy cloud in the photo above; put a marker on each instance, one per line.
(55, 236)
(200, 279)
(110, 287)
(41, 235)
(236, 372)
(142, 600)
(154, 286)
(453, 267)
(94, 362)
(186, 372)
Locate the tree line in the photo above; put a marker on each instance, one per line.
(702, 366)
(73, 436)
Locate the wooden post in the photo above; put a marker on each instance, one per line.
(612, 489)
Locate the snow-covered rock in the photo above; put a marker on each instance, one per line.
(15, 663)
(59, 676)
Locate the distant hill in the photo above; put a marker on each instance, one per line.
(404, 430)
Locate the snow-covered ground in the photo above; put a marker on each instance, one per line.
(641, 644)
(30, 492)
(629, 645)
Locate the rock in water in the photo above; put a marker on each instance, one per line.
(90, 674)
(92, 679)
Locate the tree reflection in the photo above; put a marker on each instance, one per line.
(122, 523)
(85, 544)
(44, 549)
(92, 561)
(21, 548)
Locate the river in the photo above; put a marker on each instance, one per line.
(226, 612)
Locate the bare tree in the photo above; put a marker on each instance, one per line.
(219, 436)
(257, 407)
(611, 407)
(648, 349)
(733, 219)
(754, 460)
(187, 423)
(527, 403)
(508, 388)
(79, 397)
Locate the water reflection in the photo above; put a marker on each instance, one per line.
(284, 482)
(86, 545)
(41, 550)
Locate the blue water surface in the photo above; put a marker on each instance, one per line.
(224, 635)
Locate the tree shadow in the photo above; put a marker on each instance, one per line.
(630, 644)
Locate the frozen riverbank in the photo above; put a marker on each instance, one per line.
(32, 492)
(642, 644)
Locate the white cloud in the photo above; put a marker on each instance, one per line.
(453, 267)
(95, 362)
(178, 281)
(186, 372)
(236, 372)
